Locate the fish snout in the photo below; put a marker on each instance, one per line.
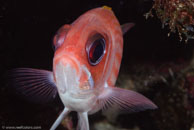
(74, 83)
(67, 72)
(71, 75)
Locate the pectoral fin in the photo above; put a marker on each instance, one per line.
(35, 84)
(126, 100)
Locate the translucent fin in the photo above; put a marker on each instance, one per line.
(125, 27)
(126, 100)
(83, 123)
(37, 85)
(60, 118)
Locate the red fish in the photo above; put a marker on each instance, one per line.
(86, 64)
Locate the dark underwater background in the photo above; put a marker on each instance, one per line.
(158, 66)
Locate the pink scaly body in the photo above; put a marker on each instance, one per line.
(86, 64)
(100, 21)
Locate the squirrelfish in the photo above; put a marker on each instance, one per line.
(86, 64)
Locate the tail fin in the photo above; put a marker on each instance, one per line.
(83, 123)
(60, 118)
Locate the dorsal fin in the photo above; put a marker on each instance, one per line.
(125, 27)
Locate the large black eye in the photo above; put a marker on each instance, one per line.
(96, 51)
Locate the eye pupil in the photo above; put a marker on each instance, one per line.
(96, 51)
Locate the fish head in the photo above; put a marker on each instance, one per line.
(88, 52)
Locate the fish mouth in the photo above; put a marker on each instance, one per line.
(73, 78)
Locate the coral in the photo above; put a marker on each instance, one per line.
(178, 14)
